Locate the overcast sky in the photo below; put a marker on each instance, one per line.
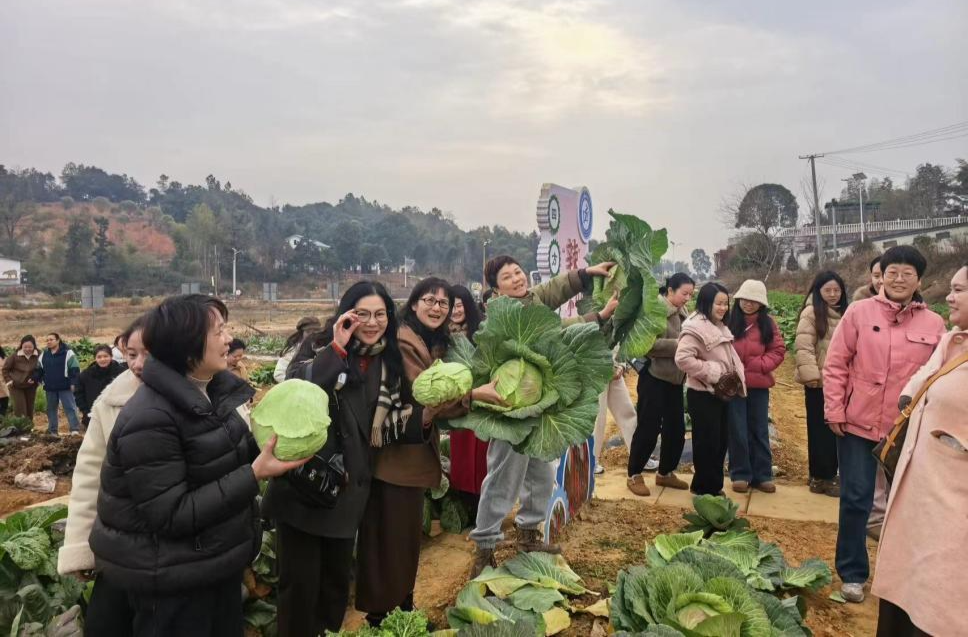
(660, 108)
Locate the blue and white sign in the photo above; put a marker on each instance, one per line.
(585, 215)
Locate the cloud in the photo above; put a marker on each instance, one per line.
(257, 15)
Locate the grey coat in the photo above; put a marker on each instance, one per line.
(662, 354)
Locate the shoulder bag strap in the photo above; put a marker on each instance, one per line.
(948, 367)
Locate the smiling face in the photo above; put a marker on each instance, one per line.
(457, 315)
(749, 307)
(831, 293)
(958, 299)
(901, 281)
(681, 295)
(721, 307)
(877, 277)
(512, 281)
(135, 353)
(372, 313)
(432, 308)
(28, 347)
(103, 359)
(217, 342)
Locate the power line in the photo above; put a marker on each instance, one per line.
(945, 133)
(837, 162)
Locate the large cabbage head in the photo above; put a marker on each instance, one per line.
(441, 383)
(296, 411)
(518, 382)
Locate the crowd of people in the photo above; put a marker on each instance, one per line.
(164, 515)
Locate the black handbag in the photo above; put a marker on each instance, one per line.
(321, 479)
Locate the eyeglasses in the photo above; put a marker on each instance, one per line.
(900, 276)
(365, 316)
(430, 302)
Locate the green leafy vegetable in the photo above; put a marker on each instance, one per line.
(714, 513)
(297, 411)
(442, 382)
(550, 376)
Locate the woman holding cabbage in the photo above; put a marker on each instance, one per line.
(511, 474)
(356, 360)
(390, 534)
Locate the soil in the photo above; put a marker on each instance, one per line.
(39, 452)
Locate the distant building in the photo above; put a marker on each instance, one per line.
(293, 240)
(9, 272)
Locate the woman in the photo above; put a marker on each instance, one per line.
(117, 349)
(354, 358)
(706, 355)
(660, 409)
(468, 455)
(234, 359)
(75, 556)
(18, 375)
(759, 343)
(4, 392)
(94, 379)
(823, 307)
(876, 282)
(392, 527)
(305, 325)
(57, 371)
(177, 518)
(921, 563)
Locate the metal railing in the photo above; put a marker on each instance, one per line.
(805, 232)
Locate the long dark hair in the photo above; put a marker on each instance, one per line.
(391, 353)
(675, 282)
(815, 299)
(436, 340)
(472, 316)
(706, 299)
(736, 321)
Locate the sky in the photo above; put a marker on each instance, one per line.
(662, 109)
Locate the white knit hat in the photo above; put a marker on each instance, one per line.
(753, 290)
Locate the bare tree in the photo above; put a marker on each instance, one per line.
(761, 213)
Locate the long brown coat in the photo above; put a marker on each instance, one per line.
(417, 465)
(811, 351)
(663, 352)
(19, 368)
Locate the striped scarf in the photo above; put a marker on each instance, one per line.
(391, 415)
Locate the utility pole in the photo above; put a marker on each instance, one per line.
(484, 263)
(816, 203)
(235, 254)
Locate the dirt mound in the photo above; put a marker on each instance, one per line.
(38, 453)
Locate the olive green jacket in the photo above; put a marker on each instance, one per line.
(558, 291)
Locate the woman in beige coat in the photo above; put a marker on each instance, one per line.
(823, 306)
(922, 568)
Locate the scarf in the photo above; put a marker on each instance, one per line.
(391, 415)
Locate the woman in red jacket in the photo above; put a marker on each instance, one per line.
(760, 346)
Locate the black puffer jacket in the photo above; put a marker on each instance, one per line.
(177, 507)
(92, 382)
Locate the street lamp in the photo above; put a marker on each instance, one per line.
(860, 177)
(235, 254)
(484, 262)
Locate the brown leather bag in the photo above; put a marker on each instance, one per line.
(728, 387)
(887, 452)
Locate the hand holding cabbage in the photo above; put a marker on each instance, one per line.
(297, 413)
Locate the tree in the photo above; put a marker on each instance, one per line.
(16, 204)
(764, 210)
(702, 265)
(372, 254)
(101, 248)
(78, 252)
(961, 178)
(346, 241)
(929, 188)
(87, 182)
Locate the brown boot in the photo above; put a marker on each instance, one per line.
(767, 487)
(672, 481)
(531, 541)
(482, 559)
(637, 486)
(741, 486)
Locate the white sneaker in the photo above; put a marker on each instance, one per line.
(853, 593)
(599, 469)
(652, 465)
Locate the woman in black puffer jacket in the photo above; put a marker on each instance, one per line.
(177, 520)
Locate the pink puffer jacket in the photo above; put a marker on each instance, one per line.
(876, 349)
(705, 353)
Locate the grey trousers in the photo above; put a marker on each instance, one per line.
(511, 475)
(617, 400)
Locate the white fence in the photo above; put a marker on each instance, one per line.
(879, 227)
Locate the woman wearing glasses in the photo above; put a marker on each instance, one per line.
(407, 462)
(355, 358)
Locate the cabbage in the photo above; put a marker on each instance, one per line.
(442, 382)
(518, 383)
(297, 411)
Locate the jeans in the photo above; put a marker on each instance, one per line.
(710, 436)
(750, 458)
(857, 474)
(510, 474)
(66, 397)
(821, 442)
(660, 410)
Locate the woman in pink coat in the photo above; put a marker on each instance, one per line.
(878, 346)
(760, 346)
(705, 353)
(922, 568)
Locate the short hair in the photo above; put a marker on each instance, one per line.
(136, 325)
(675, 282)
(904, 255)
(236, 343)
(176, 331)
(493, 267)
(101, 347)
(706, 299)
(56, 335)
(29, 338)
